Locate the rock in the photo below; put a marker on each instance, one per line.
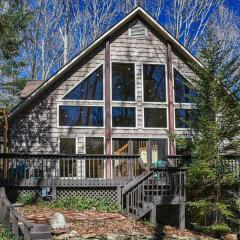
(61, 237)
(89, 236)
(73, 234)
(151, 237)
(58, 221)
(230, 237)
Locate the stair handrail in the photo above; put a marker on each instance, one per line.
(9, 214)
(136, 181)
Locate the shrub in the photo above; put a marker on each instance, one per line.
(84, 203)
(27, 198)
(6, 234)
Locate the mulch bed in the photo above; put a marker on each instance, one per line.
(87, 222)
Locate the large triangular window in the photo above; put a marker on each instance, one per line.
(91, 88)
(184, 93)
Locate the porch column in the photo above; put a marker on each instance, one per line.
(170, 99)
(107, 107)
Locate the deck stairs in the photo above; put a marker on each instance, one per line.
(156, 187)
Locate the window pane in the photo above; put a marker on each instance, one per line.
(159, 150)
(154, 83)
(80, 116)
(123, 82)
(67, 145)
(90, 88)
(183, 118)
(123, 117)
(181, 89)
(121, 146)
(68, 168)
(155, 117)
(94, 168)
(94, 145)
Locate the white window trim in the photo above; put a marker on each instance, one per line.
(82, 127)
(62, 137)
(135, 82)
(88, 74)
(174, 102)
(153, 107)
(177, 128)
(125, 106)
(84, 147)
(166, 82)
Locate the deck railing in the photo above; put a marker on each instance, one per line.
(68, 170)
(158, 186)
(9, 216)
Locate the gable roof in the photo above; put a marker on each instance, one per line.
(136, 12)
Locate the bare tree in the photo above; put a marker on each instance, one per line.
(187, 19)
(226, 27)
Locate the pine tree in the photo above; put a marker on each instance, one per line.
(216, 124)
(13, 20)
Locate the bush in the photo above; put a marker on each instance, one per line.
(84, 203)
(6, 234)
(27, 198)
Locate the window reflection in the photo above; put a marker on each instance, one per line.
(123, 117)
(155, 117)
(68, 168)
(183, 118)
(182, 91)
(154, 83)
(123, 82)
(89, 89)
(80, 116)
(94, 168)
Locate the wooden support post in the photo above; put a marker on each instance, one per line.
(170, 99)
(153, 215)
(107, 108)
(54, 192)
(182, 216)
(15, 228)
(27, 233)
(119, 195)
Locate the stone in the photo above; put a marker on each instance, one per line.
(230, 237)
(73, 234)
(58, 221)
(89, 236)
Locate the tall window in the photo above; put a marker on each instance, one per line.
(182, 90)
(91, 88)
(94, 168)
(123, 82)
(155, 117)
(183, 118)
(84, 116)
(123, 117)
(68, 168)
(154, 81)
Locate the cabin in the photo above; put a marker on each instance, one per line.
(102, 125)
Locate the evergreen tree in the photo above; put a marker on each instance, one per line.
(216, 124)
(13, 20)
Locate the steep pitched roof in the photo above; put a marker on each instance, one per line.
(136, 12)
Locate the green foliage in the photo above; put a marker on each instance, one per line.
(27, 198)
(14, 17)
(217, 125)
(6, 234)
(83, 203)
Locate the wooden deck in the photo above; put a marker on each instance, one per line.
(68, 170)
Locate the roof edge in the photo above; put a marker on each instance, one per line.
(138, 10)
